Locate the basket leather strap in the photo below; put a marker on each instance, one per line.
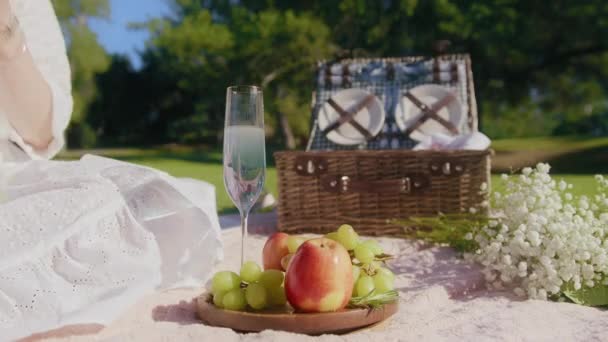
(438, 73)
(436, 70)
(346, 184)
(431, 113)
(346, 76)
(349, 116)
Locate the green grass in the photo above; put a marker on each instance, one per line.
(181, 162)
(566, 143)
(575, 159)
(208, 172)
(581, 184)
(567, 155)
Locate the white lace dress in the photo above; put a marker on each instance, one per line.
(80, 241)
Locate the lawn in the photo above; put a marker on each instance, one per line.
(181, 162)
(567, 155)
(575, 159)
(581, 184)
(210, 172)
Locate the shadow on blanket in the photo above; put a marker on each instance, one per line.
(183, 313)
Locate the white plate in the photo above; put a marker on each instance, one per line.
(370, 117)
(407, 113)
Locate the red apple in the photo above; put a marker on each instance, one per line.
(319, 277)
(274, 250)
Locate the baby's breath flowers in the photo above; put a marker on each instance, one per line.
(538, 240)
(541, 239)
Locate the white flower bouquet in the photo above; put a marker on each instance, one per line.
(539, 240)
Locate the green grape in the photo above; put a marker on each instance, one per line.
(356, 273)
(365, 285)
(276, 296)
(348, 237)
(217, 299)
(225, 281)
(374, 246)
(386, 272)
(256, 296)
(272, 278)
(345, 227)
(364, 254)
(234, 300)
(293, 242)
(332, 236)
(251, 272)
(383, 283)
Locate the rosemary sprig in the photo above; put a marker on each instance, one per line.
(445, 229)
(373, 300)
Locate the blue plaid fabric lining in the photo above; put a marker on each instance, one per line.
(389, 79)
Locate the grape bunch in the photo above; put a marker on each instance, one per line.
(257, 289)
(253, 287)
(370, 277)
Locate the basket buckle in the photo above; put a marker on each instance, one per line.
(446, 168)
(406, 185)
(310, 166)
(345, 184)
(344, 181)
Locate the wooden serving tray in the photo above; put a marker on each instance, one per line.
(283, 319)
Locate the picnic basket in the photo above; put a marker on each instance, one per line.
(373, 184)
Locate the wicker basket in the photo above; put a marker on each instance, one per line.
(318, 191)
(368, 185)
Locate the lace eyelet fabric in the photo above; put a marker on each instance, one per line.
(81, 241)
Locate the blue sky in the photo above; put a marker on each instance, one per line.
(114, 35)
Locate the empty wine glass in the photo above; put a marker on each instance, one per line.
(244, 150)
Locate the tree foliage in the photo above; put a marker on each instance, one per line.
(192, 58)
(87, 57)
(540, 67)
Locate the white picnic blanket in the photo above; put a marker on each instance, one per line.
(442, 299)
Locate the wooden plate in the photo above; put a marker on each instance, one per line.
(302, 323)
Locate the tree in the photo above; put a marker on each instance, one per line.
(87, 57)
(205, 54)
(534, 62)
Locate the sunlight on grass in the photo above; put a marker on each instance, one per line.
(207, 165)
(180, 162)
(581, 184)
(211, 173)
(566, 143)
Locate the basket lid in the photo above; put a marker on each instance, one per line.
(390, 80)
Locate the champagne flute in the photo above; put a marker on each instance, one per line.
(244, 150)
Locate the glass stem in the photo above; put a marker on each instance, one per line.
(244, 217)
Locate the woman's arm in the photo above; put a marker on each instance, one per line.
(25, 96)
